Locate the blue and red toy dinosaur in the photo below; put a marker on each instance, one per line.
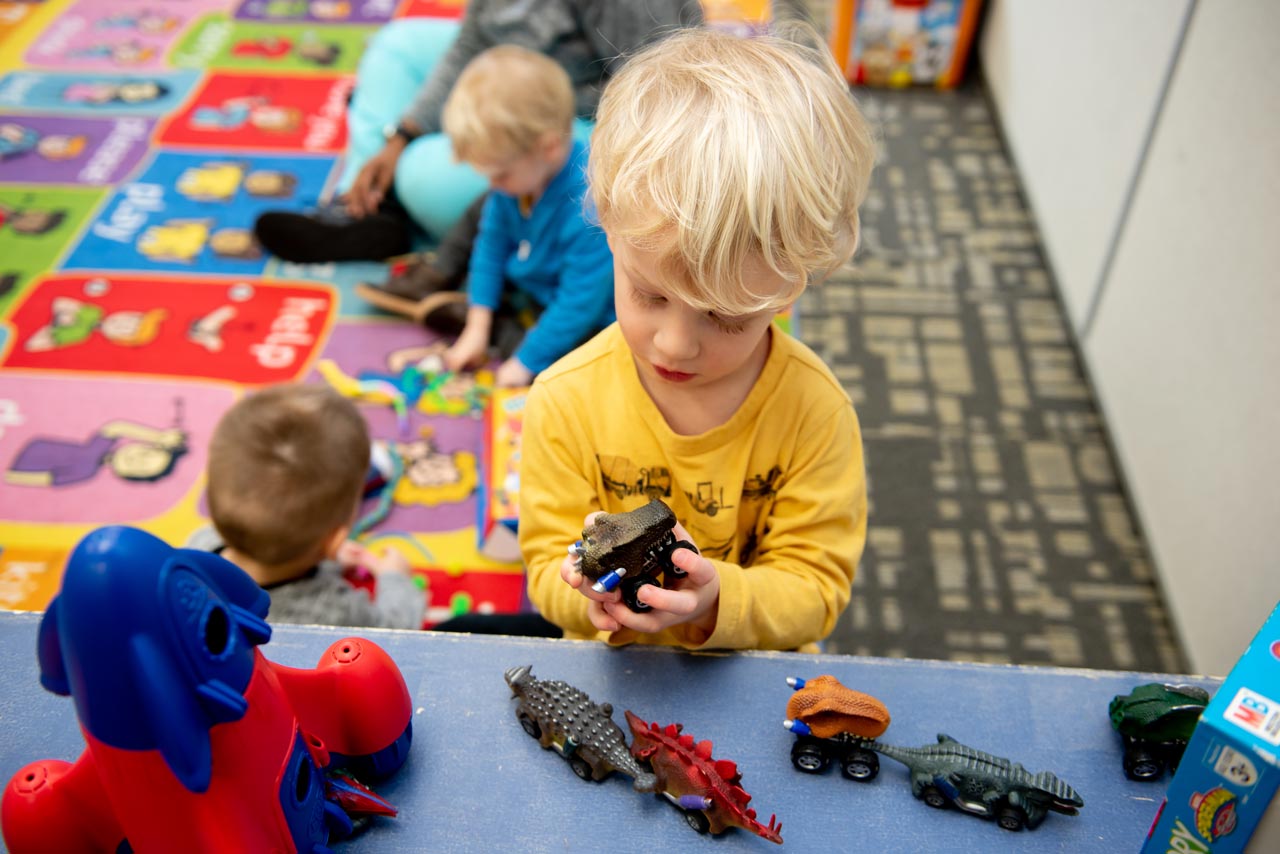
(194, 740)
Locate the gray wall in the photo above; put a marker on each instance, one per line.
(1146, 134)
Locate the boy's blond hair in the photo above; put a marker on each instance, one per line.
(286, 469)
(712, 149)
(504, 102)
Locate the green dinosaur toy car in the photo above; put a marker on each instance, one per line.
(953, 774)
(1156, 721)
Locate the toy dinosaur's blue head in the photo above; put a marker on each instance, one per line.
(154, 644)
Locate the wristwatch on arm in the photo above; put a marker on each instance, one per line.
(400, 131)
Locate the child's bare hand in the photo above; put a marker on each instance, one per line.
(469, 350)
(595, 608)
(695, 598)
(387, 560)
(512, 374)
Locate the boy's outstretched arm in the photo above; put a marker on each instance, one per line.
(555, 494)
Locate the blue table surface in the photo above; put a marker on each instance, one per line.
(475, 781)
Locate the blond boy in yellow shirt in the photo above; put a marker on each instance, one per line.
(727, 173)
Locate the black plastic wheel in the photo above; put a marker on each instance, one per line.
(808, 758)
(697, 820)
(675, 571)
(1141, 765)
(580, 767)
(1011, 818)
(861, 765)
(933, 796)
(631, 587)
(530, 726)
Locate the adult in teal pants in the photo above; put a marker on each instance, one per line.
(399, 169)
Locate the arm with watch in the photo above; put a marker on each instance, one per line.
(422, 117)
(376, 176)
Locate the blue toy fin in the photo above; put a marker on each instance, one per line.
(53, 670)
(173, 718)
(233, 582)
(221, 702)
(336, 819)
(257, 631)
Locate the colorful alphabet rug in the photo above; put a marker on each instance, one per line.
(139, 140)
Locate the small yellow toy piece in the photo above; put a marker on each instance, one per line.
(348, 386)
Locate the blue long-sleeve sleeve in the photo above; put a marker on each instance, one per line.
(554, 255)
(494, 245)
(583, 301)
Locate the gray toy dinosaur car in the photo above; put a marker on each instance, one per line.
(564, 719)
(950, 773)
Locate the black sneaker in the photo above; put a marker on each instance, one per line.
(444, 312)
(331, 234)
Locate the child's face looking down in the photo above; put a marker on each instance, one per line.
(525, 174)
(677, 345)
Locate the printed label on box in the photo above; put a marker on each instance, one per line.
(1234, 766)
(1256, 714)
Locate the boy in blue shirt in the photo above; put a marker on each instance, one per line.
(510, 117)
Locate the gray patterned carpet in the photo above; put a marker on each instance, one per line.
(999, 531)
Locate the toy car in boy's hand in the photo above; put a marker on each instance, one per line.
(194, 741)
(630, 550)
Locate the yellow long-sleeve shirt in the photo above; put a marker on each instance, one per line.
(775, 496)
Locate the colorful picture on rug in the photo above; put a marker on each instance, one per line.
(297, 113)
(433, 9)
(68, 93)
(326, 11)
(103, 450)
(37, 224)
(55, 150)
(139, 142)
(216, 42)
(115, 35)
(195, 212)
(250, 332)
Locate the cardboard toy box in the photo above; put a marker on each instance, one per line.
(903, 42)
(498, 497)
(1223, 797)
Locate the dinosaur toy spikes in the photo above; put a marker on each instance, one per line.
(564, 719)
(686, 770)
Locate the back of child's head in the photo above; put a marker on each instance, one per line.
(286, 469)
(505, 101)
(715, 151)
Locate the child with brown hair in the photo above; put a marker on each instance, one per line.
(727, 173)
(287, 467)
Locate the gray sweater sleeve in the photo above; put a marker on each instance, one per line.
(424, 112)
(589, 38)
(326, 599)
